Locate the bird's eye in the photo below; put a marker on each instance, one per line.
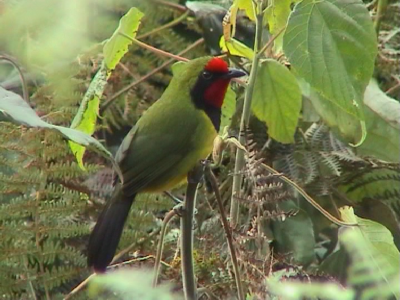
(206, 75)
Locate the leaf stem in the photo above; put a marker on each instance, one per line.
(239, 162)
(188, 278)
(271, 40)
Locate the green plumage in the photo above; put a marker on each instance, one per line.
(169, 139)
(167, 142)
(157, 154)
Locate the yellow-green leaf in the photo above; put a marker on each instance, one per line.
(234, 47)
(115, 48)
(117, 45)
(247, 6)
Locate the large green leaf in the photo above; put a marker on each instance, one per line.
(277, 100)
(14, 109)
(341, 122)
(375, 258)
(114, 49)
(332, 45)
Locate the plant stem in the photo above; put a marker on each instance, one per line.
(244, 122)
(188, 278)
(160, 246)
(228, 233)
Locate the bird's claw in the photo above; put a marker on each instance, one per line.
(179, 210)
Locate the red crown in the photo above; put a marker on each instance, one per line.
(216, 65)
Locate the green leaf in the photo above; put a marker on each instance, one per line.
(228, 109)
(117, 45)
(14, 109)
(114, 49)
(375, 258)
(234, 47)
(277, 14)
(130, 284)
(86, 117)
(295, 234)
(247, 6)
(342, 123)
(277, 100)
(332, 45)
(383, 125)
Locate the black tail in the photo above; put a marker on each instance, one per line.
(105, 236)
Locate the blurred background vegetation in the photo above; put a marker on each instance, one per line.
(48, 204)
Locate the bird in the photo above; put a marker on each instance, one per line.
(165, 144)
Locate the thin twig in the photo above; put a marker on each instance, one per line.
(134, 244)
(393, 88)
(213, 181)
(271, 40)
(308, 198)
(79, 287)
(148, 75)
(160, 246)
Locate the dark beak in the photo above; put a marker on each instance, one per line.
(234, 73)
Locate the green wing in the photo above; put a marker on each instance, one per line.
(148, 156)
